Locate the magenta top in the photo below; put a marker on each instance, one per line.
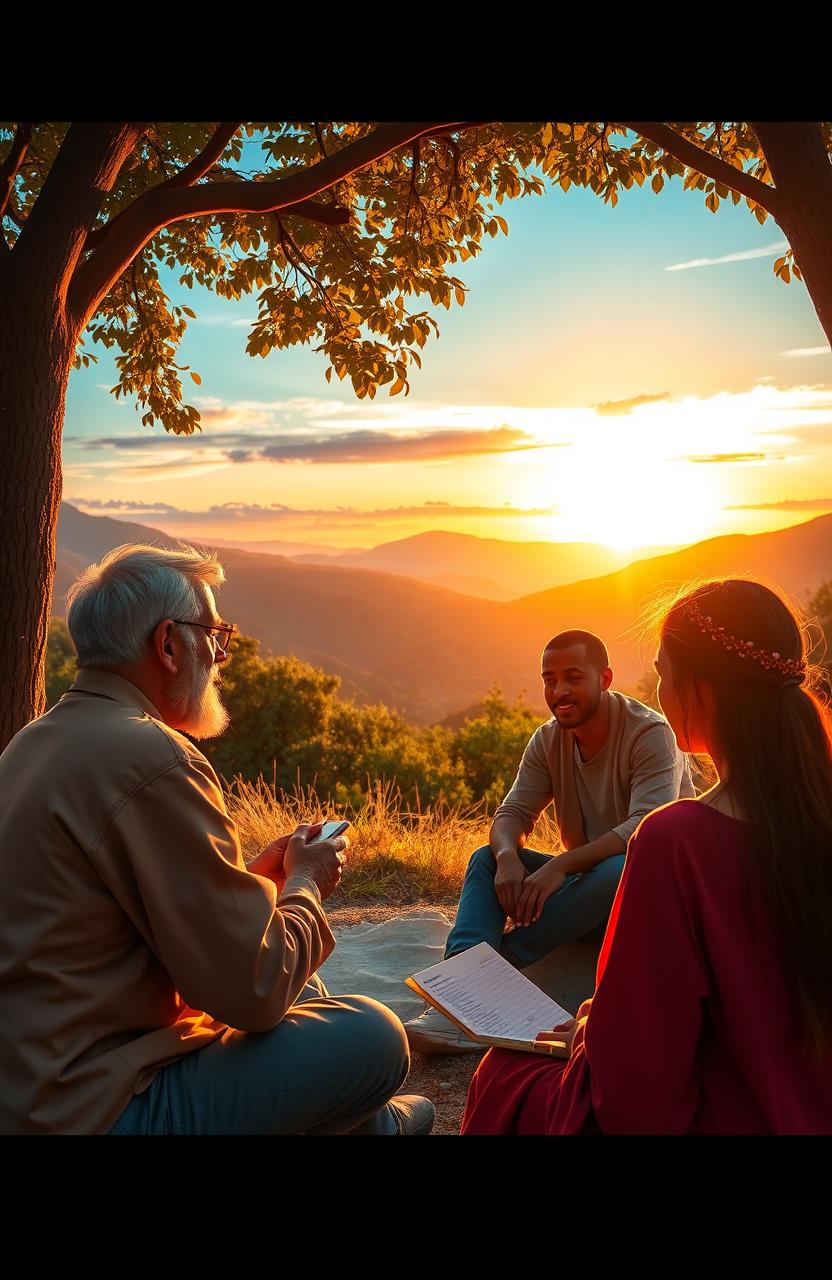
(693, 1027)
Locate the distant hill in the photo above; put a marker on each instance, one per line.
(273, 547)
(487, 567)
(796, 559)
(391, 639)
(428, 651)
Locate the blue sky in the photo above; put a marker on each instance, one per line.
(575, 310)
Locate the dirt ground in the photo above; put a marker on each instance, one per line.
(443, 1079)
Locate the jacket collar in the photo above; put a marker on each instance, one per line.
(108, 685)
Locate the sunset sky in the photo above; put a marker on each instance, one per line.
(633, 375)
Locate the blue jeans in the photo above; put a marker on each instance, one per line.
(579, 906)
(329, 1067)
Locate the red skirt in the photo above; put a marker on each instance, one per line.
(521, 1093)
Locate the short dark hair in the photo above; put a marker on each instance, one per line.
(596, 650)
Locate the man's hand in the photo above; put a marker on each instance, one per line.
(537, 887)
(509, 879)
(321, 861)
(269, 862)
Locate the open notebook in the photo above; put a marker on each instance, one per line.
(491, 1001)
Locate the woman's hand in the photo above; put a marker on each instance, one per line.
(565, 1032)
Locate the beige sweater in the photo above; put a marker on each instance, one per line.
(131, 931)
(638, 769)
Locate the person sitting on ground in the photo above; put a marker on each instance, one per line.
(713, 1009)
(150, 981)
(606, 760)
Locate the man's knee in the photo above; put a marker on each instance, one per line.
(378, 1034)
(483, 859)
(604, 876)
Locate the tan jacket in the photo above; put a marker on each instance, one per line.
(638, 769)
(130, 930)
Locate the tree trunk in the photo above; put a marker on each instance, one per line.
(802, 173)
(36, 352)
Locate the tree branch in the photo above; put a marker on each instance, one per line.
(12, 163)
(329, 214)
(414, 173)
(454, 182)
(13, 213)
(695, 158)
(196, 169)
(207, 158)
(85, 169)
(301, 266)
(161, 206)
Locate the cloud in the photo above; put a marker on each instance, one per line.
(786, 504)
(238, 514)
(807, 351)
(816, 435)
(363, 446)
(214, 318)
(612, 408)
(383, 446)
(767, 251)
(724, 457)
(121, 505)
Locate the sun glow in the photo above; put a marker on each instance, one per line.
(625, 501)
(630, 482)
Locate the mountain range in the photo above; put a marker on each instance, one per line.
(430, 651)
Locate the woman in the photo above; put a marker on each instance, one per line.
(713, 1008)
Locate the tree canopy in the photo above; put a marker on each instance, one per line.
(384, 216)
(350, 234)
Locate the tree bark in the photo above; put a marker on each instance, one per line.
(36, 352)
(38, 333)
(802, 173)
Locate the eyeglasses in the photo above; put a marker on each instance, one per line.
(220, 632)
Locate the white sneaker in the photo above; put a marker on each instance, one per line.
(433, 1033)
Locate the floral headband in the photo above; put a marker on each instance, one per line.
(770, 659)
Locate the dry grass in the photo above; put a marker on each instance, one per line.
(397, 855)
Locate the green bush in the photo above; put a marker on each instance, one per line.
(60, 661)
(289, 726)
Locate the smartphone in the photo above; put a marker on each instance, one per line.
(330, 830)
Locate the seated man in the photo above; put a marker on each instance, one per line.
(150, 982)
(607, 761)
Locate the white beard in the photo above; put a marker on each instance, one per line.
(196, 697)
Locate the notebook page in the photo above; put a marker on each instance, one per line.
(490, 996)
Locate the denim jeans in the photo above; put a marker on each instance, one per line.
(579, 906)
(329, 1067)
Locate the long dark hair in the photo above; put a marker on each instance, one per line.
(776, 734)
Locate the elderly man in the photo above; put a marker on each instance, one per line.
(150, 982)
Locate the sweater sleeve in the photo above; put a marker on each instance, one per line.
(171, 856)
(642, 1033)
(658, 770)
(532, 789)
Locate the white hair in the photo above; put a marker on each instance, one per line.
(113, 606)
